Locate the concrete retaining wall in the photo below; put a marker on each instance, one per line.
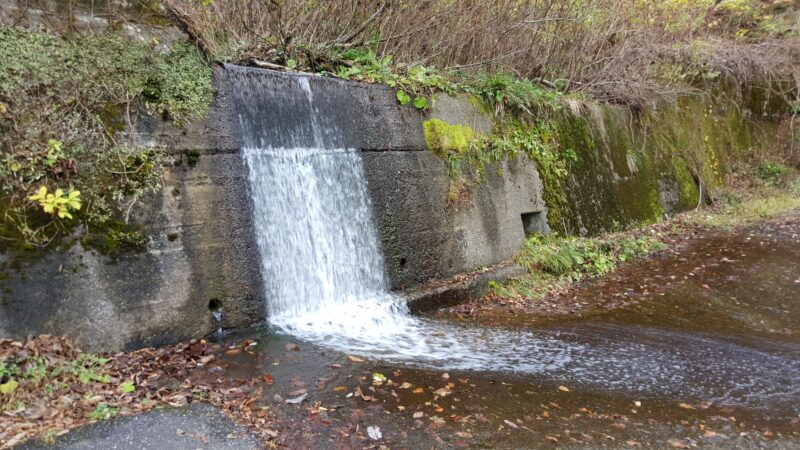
(202, 251)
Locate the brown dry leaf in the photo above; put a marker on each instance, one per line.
(419, 415)
(709, 434)
(632, 443)
(685, 406)
(355, 359)
(617, 426)
(674, 443)
(340, 388)
(443, 392)
(510, 423)
(418, 391)
(563, 389)
(292, 347)
(406, 385)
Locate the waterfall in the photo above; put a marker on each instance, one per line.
(325, 280)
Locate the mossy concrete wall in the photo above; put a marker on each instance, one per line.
(200, 255)
(633, 168)
(202, 250)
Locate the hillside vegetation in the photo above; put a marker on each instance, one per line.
(616, 50)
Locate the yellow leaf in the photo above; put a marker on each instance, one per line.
(8, 387)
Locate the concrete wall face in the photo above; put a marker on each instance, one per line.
(202, 250)
(200, 253)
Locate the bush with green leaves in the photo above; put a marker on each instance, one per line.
(574, 257)
(63, 101)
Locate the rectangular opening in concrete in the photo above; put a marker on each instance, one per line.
(534, 222)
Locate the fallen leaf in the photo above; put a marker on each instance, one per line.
(406, 385)
(685, 406)
(292, 347)
(374, 433)
(297, 400)
(443, 392)
(418, 391)
(563, 389)
(418, 415)
(340, 388)
(8, 387)
(352, 358)
(510, 423)
(445, 376)
(378, 378)
(674, 443)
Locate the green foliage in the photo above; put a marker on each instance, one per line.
(63, 101)
(127, 387)
(403, 98)
(574, 258)
(59, 202)
(103, 412)
(506, 92)
(8, 387)
(772, 172)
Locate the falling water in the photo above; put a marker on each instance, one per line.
(325, 280)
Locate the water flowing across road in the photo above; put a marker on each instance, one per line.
(325, 281)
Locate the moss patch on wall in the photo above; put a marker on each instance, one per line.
(605, 167)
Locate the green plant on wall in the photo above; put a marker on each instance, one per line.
(58, 203)
(64, 99)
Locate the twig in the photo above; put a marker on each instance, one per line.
(486, 61)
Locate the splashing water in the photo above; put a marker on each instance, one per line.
(325, 280)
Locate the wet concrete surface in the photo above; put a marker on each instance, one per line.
(718, 320)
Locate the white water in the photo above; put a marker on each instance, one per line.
(325, 281)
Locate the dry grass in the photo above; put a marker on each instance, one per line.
(617, 50)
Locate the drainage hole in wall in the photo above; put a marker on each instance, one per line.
(214, 305)
(534, 222)
(402, 262)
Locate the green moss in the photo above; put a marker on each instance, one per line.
(192, 157)
(117, 241)
(444, 139)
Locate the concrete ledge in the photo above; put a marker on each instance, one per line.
(444, 293)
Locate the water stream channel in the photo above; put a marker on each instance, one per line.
(706, 350)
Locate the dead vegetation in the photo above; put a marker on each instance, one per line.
(615, 50)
